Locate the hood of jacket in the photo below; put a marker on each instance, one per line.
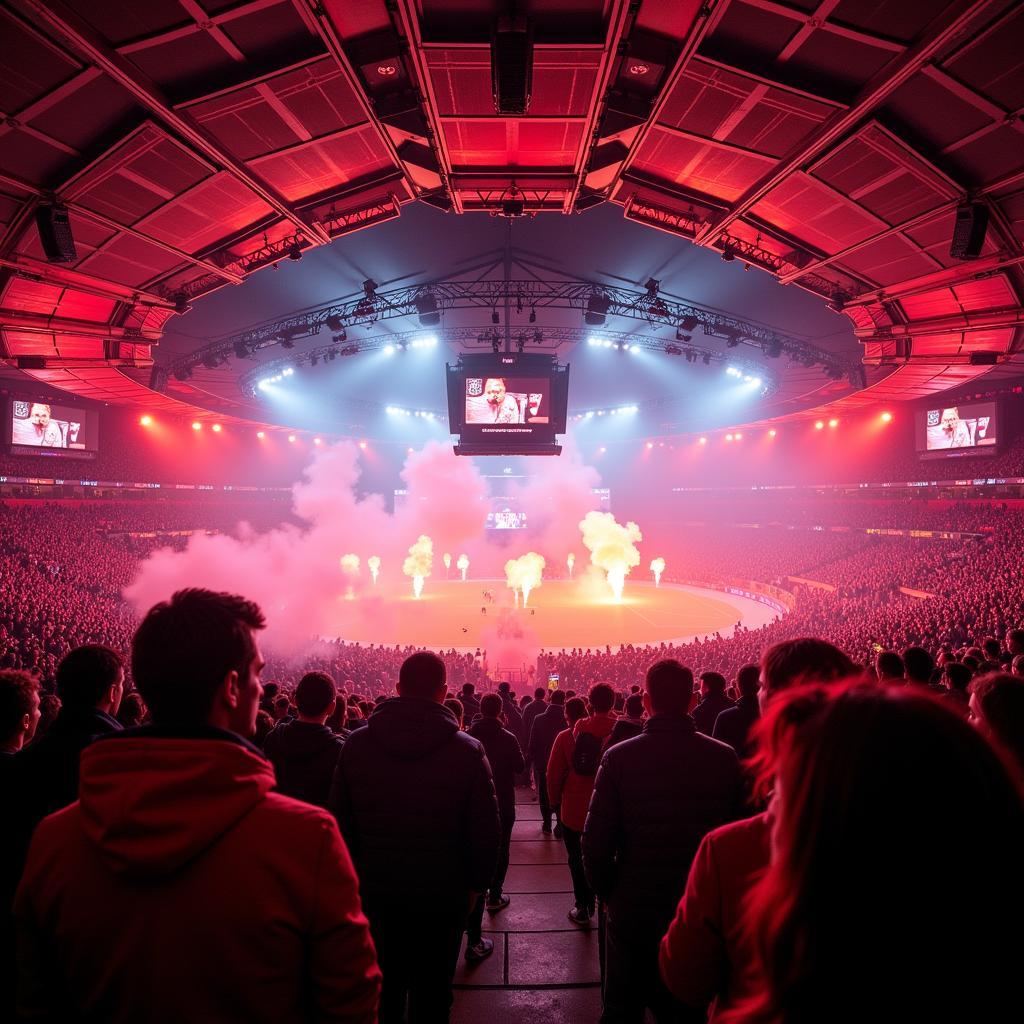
(599, 725)
(486, 727)
(411, 728)
(152, 804)
(300, 741)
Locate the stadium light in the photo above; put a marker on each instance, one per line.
(316, 440)
(820, 425)
(260, 434)
(702, 440)
(146, 421)
(389, 350)
(886, 417)
(771, 433)
(196, 425)
(728, 437)
(833, 423)
(362, 444)
(739, 437)
(291, 437)
(216, 428)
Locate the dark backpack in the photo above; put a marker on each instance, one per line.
(587, 754)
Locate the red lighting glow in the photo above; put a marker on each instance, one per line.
(820, 425)
(196, 425)
(887, 417)
(146, 421)
(216, 428)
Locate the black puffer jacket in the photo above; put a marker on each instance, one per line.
(655, 798)
(415, 801)
(304, 756)
(543, 732)
(506, 759)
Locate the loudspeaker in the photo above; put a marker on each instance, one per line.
(512, 66)
(54, 226)
(984, 358)
(969, 231)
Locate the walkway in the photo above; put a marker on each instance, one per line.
(544, 968)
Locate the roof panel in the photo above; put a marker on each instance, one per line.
(31, 66)
(994, 63)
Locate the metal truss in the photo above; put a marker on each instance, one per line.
(600, 301)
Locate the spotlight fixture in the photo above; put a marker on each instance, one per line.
(538, 337)
(597, 308)
(887, 417)
(680, 336)
(773, 349)
(370, 288)
(728, 255)
(494, 317)
(732, 338)
(533, 316)
(294, 252)
(820, 425)
(181, 303)
(521, 343)
(335, 324)
(688, 323)
(196, 425)
(146, 420)
(426, 308)
(287, 343)
(241, 349)
(495, 344)
(673, 350)
(652, 287)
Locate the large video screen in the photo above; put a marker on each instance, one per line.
(955, 428)
(45, 428)
(507, 402)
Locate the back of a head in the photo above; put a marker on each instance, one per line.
(992, 648)
(634, 707)
(490, 705)
(918, 664)
(958, 676)
(557, 697)
(315, 694)
(575, 710)
(602, 698)
(422, 675)
(540, 693)
(670, 687)
(184, 649)
(1000, 698)
(504, 687)
(270, 692)
(457, 708)
(748, 680)
(713, 683)
(17, 699)
(468, 689)
(86, 674)
(867, 769)
(889, 665)
(1015, 641)
(804, 660)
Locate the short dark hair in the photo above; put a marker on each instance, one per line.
(1015, 638)
(713, 682)
(805, 659)
(602, 698)
(468, 688)
(670, 687)
(455, 706)
(86, 674)
(575, 709)
(635, 705)
(992, 648)
(918, 664)
(16, 689)
(959, 676)
(748, 680)
(314, 694)
(422, 675)
(185, 647)
(539, 693)
(889, 665)
(490, 705)
(558, 696)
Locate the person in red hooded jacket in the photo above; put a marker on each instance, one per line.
(180, 886)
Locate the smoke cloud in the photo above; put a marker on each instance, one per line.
(612, 547)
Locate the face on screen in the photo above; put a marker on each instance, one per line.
(494, 390)
(40, 415)
(950, 418)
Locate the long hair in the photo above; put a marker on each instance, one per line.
(896, 887)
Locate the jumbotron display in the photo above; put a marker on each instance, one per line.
(955, 428)
(507, 404)
(37, 425)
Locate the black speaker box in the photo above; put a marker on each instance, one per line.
(512, 67)
(54, 226)
(969, 231)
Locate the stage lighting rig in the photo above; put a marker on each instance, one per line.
(673, 350)
(426, 309)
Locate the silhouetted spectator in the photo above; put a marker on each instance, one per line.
(889, 667)
(545, 728)
(470, 703)
(455, 706)
(304, 751)
(996, 704)
(655, 799)
(630, 723)
(132, 710)
(416, 803)
(713, 702)
(572, 770)
(956, 678)
(733, 725)
(182, 887)
(918, 666)
(506, 760)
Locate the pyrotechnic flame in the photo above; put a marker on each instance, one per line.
(658, 567)
(570, 561)
(524, 574)
(462, 565)
(611, 547)
(419, 563)
(350, 564)
(447, 559)
(373, 564)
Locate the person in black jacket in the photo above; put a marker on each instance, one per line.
(733, 725)
(415, 802)
(543, 730)
(630, 724)
(506, 760)
(655, 798)
(304, 751)
(713, 701)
